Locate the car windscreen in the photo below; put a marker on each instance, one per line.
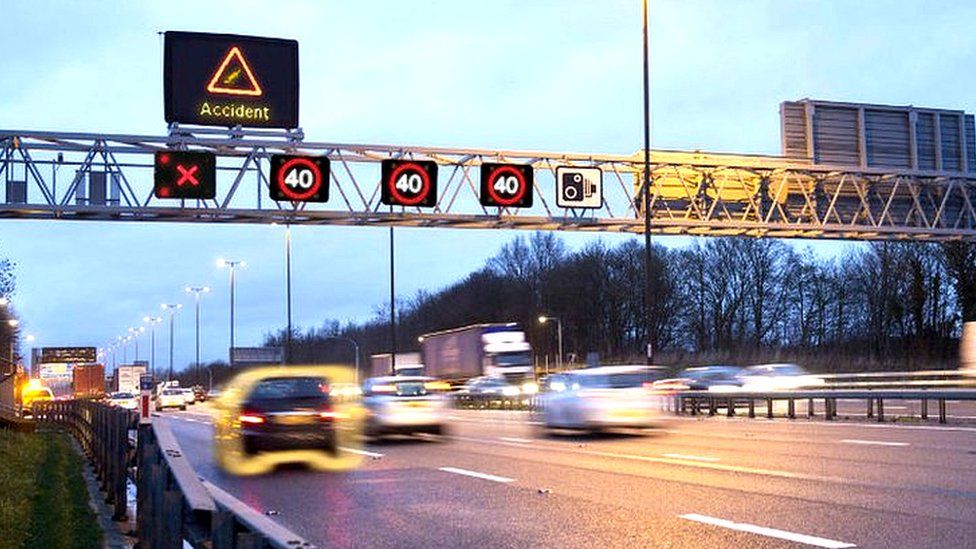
(173, 392)
(512, 359)
(289, 388)
(118, 396)
(613, 381)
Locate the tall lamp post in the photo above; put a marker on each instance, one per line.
(646, 195)
(196, 291)
(355, 346)
(172, 308)
(152, 321)
(232, 265)
(134, 334)
(559, 337)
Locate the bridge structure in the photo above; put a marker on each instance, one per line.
(109, 177)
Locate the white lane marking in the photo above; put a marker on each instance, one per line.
(768, 532)
(693, 458)
(873, 442)
(515, 439)
(361, 452)
(475, 474)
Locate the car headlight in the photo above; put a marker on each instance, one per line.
(530, 387)
(510, 390)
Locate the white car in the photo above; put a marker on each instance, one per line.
(597, 399)
(123, 400)
(171, 397)
(778, 377)
(405, 405)
(188, 395)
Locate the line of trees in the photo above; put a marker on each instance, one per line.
(885, 305)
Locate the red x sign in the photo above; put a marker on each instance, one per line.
(187, 175)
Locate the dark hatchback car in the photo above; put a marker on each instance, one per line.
(288, 413)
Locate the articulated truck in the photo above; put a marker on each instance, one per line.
(497, 350)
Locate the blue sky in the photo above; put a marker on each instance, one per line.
(551, 75)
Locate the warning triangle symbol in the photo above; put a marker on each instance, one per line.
(234, 76)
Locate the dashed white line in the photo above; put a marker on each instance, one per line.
(475, 474)
(873, 442)
(690, 457)
(768, 532)
(361, 452)
(515, 439)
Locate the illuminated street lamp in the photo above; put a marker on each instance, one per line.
(172, 308)
(134, 334)
(196, 291)
(152, 321)
(232, 265)
(559, 331)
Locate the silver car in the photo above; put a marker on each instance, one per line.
(405, 405)
(597, 399)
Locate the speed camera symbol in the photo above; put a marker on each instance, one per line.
(579, 187)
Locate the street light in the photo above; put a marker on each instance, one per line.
(196, 291)
(646, 195)
(232, 264)
(172, 308)
(152, 321)
(135, 338)
(559, 331)
(355, 346)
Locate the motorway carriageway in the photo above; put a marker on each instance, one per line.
(496, 481)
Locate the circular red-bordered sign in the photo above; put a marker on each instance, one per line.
(515, 198)
(300, 162)
(400, 197)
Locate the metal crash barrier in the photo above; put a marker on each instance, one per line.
(173, 505)
(705, 402)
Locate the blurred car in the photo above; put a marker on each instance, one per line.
(32, 394)
(123, 400)
(778, 377)
(199, 394)
(552, 382)
(492, 391)
(171, 397)
(287, 413)
(188, 395)
(704, 378)
(405, 405)
(603, 398)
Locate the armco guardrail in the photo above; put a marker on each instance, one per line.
(892, 380)
(103, 433)
(172, 504)
(706, 402)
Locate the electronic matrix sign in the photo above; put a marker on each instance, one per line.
(506, 185)
(409, 183)
(230, 80)
(299, 178)
(185, 174)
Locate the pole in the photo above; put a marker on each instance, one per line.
(170, 376)
(152, 349)
(559, 337)
(197, 305)
(231, 350)
(646, 196)
(288, 291)
(393, 333)
(135, 339)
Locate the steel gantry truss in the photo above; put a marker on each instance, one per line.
(692, 193)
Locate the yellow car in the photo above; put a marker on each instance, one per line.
(34, 394)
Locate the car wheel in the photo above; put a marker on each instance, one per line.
(183, 408)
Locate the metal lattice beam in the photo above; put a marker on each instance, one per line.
(691, 193)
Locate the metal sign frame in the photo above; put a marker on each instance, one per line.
(691, 193)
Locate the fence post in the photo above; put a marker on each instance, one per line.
(791, 409)
(925, 408)
(172, 519)
(942, 410)
(828, 412)
(752, 407)
(120, 482)
(870, 408)
(222, 529)
(147, 457)
(880, 410)
(712, 408)
(810, 407)
(769, 408)
(730, 407)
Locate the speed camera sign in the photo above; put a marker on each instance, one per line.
(579, 187)
(506, 185)
(299, 178)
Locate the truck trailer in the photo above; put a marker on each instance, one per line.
(407, 364)
(496, 350)
(88, 381)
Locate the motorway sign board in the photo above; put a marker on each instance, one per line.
(185, 174)
(68, 355)
(579, 187)
(409, 183)
(506, 185)
(257, 355)
(299, 178)
(230, 80)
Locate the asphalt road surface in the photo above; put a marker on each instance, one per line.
(497, 481)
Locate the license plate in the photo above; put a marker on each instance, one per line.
(294, 420)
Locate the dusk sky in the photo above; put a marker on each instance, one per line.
(543, 75)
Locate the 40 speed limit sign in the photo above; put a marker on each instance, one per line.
(506, 185)
(299, 178)
(409, 183)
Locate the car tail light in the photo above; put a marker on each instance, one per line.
(251, 418)
(326, 413)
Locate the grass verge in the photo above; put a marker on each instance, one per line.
(43, 497)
